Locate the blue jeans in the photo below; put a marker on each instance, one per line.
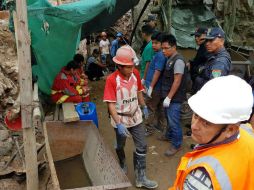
(174, 129)
(103, 58)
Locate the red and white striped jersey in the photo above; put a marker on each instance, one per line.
(125, 94)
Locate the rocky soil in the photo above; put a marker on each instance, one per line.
(8, 81)
(8, 67)
(244, 29)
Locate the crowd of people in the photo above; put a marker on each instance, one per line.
(158, 91)
(71, 83)
(150, 98)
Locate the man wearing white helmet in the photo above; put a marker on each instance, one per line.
(224, 156)
(123, 95)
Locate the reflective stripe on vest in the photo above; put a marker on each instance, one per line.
(230, 165)
(62, 99)
(82, 82)
(219, 171)
(248, 128)
(79, 89)
(55, 91)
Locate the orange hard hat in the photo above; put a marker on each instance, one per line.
(124, 56)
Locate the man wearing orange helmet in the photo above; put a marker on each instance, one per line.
(123, 95)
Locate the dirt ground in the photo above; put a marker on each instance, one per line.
(159, 167)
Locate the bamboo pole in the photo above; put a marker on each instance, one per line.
(232, 19)
(139, 17)
(170, 15)
(23, 42)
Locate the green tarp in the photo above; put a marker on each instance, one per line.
(185, 19)
(56, 30)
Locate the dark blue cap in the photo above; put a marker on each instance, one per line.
(119, 34)
(215, 32)
(150, 17)
(199, 31)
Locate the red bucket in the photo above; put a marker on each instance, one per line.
(15, 124)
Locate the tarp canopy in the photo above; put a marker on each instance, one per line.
(185, 20)
(56, 30)
(104, 19)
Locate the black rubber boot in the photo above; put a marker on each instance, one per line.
(121, 156)
(139, 161)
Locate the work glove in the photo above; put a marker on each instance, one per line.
(136, 61)
(166, 102)
(145, 112)
(149, 92)
(143, 81)
(122, 130)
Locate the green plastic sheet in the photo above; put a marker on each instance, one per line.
(56, 30)
(185, 20)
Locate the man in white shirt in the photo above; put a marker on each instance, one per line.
(104, 48)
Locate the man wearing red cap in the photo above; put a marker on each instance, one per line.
(123, 95)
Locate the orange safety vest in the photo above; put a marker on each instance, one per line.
(230, 166)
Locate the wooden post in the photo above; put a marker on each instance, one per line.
(229, 17)
(232, 19)
(170, 15)
(59, 2)
(36, 112)
(138, 19)
(168, 8)
(23, 42)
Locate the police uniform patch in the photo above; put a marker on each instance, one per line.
(216, 73)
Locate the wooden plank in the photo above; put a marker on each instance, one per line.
(83, 137)
(36, 112)
(61, 117)
(101, 165)
(69, 112)
(56, 114)
(49, 117)
(50, 159)
(23, 42)
(169, 15)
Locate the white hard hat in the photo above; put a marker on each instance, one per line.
(223, 100)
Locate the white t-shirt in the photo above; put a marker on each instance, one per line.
(82, 49)
(104, 45)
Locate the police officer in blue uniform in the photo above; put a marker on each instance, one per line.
(201, 57)
(219, 61)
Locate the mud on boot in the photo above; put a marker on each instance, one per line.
(122, 161)
(139, 161)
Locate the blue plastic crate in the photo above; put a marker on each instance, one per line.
(87, 111)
